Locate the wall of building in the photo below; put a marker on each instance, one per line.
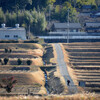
(12, 34)
(65, 30)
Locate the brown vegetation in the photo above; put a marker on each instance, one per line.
(82, 96)
(84, 59)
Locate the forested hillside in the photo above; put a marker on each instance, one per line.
(35, 14)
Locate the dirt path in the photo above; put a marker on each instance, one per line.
(63, 69)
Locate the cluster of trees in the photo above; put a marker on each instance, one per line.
(19, 61)
(4, 61)
(61, 12)
(13, 5)
(79, 3)
(33, 20)
(8, 83)
(31, 13)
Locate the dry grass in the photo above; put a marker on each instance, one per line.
(37, 52)
(20, 46)
(82, 96)
(26, 78)
(37, 62)
(85, 59)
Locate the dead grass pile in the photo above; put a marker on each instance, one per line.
(37, 62)
(85, 58)
(25, 78)
(82, 96)
(37, 52)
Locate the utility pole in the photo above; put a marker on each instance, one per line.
(74, 3)
(29, 32)
(68, 27)
(49, 13)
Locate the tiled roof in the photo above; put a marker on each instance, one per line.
(65, 25)
(86, 7)
(92, 24)
(10, 28)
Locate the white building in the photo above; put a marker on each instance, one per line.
(10, 33)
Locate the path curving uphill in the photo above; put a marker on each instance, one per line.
(63, 69)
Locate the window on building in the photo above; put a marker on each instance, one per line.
(15, 36)
(7, 36)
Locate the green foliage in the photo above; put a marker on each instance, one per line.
(2, 17)
(42, 3)
(31, 13)
(79, 3)
(62, 14)
(13, 5)
(33, 20)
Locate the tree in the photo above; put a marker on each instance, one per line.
(97, 2)
(29, 62)
(1, 61)
(13, 5)
(10, 50)
(62, 14)
(8, 83)
(6, 50)
(2, 16)
(19, 61)
(79, 3)
(39, 22)
(6, 60)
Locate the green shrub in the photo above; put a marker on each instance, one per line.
(6, 61)
(6, 50)
(19, 61)
(10, 50)
(29, 62)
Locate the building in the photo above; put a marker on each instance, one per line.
(12, 33)
(64, 27)
(86, 8)
(92, 27)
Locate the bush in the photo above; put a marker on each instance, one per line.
(6, 61)
(10, 50)
(19, 61)
(1, 61)
(8, 83)
(6, 50)
(29, 62)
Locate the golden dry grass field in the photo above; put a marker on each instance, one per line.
(32, 79)
(83, 60)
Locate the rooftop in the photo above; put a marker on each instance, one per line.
(65, 25)
(12, 28)
(86, 7)
(93, 24)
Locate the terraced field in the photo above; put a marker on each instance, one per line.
(84, 58)
(25, 74)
